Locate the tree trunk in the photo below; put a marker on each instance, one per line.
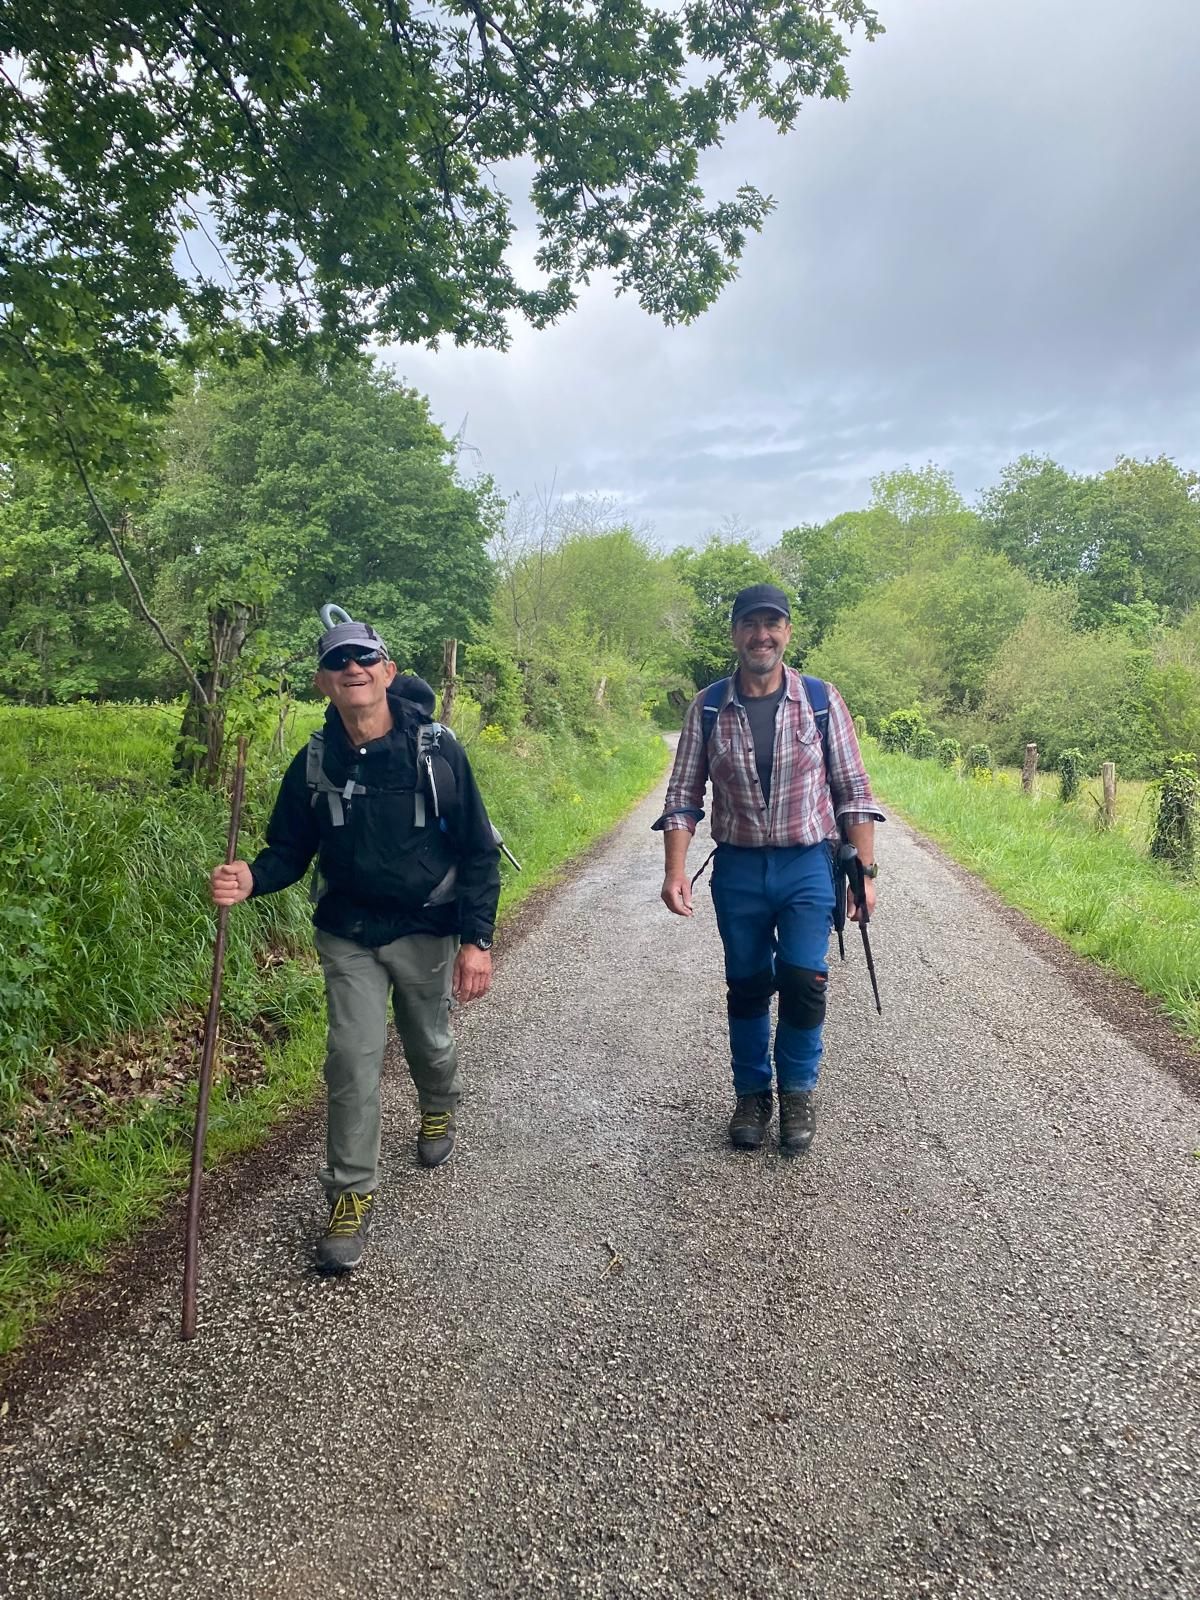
(279, 738)
(449, 678)
(202, 732)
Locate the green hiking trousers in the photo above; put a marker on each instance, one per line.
(416, 971)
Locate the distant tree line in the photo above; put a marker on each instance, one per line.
(1060, 608)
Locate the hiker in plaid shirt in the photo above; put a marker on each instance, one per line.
(776, 815)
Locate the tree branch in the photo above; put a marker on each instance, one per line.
(172, 649)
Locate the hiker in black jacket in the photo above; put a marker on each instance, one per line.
(406, 886)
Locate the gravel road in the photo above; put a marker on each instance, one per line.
(955, 1352)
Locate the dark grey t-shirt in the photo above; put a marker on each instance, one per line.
(761, 712)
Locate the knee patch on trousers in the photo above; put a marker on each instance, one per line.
(801, 996)
(751, 997)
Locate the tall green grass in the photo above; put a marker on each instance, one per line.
(105, 922)
(1095, 889)
(106, 930)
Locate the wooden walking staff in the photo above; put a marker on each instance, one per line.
(191, 1239)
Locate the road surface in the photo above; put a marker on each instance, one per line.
(955, 1352)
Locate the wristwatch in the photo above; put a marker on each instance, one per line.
(480, 944)
(871, 871)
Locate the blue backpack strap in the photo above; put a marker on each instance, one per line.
(713, 696)
(818, 698)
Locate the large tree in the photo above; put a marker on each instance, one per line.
(285, 488)
(1127, 539)
(329, 167)
(64, 604)
(916, 518)
(713, 577)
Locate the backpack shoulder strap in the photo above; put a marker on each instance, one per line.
(318, 783)
(713, 696)
(818, 698)
(314, 753)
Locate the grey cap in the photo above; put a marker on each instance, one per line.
(347, 632)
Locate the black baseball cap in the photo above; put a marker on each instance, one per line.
(760, 597)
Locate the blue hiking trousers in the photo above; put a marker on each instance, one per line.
(775, 913)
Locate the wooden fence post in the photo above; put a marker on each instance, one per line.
(1108, 773)
(449, 673)
(1029, 770)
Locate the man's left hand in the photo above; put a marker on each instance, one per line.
(472, 973)
(852, 905)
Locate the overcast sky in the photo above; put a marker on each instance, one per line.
(992, 247)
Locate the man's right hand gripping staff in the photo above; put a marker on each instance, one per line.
(232, 884)
(405, 889)
(788, 784)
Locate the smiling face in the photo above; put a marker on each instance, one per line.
(358, 688)
(760, 639)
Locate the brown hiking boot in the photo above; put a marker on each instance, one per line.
(797, 1121)
(750, 1121)
(340, 1248)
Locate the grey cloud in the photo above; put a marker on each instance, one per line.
(992, 248)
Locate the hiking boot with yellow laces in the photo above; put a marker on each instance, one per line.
(436, 1137)
(340, 1248)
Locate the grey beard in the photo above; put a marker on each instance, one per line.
(762, 668)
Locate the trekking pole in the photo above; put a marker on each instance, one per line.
(850, 872)
(858, 886)
(191, 1238)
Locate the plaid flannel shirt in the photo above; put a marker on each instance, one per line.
(805, 807)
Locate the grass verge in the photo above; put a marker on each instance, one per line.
(1096, 890)
(105, 957)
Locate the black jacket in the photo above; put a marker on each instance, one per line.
(379, 867)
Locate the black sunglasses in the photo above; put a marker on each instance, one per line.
(338, 660)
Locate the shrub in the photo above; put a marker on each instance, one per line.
(978, 760)
(1177, 813)
(1068, 690)
(495, 682)
(948, 752)
(924, 744)
(1070, 774)
(860, 728)
(897, 732)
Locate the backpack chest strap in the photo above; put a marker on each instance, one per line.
(319, 784)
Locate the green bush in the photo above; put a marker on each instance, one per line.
(949, 751)
(1177, 813)
(495, 682)
(978, 760)
(924, 746)
(573, 685)
(1071, 772)
(1066, 690)
(897, 731)
(860, 728)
